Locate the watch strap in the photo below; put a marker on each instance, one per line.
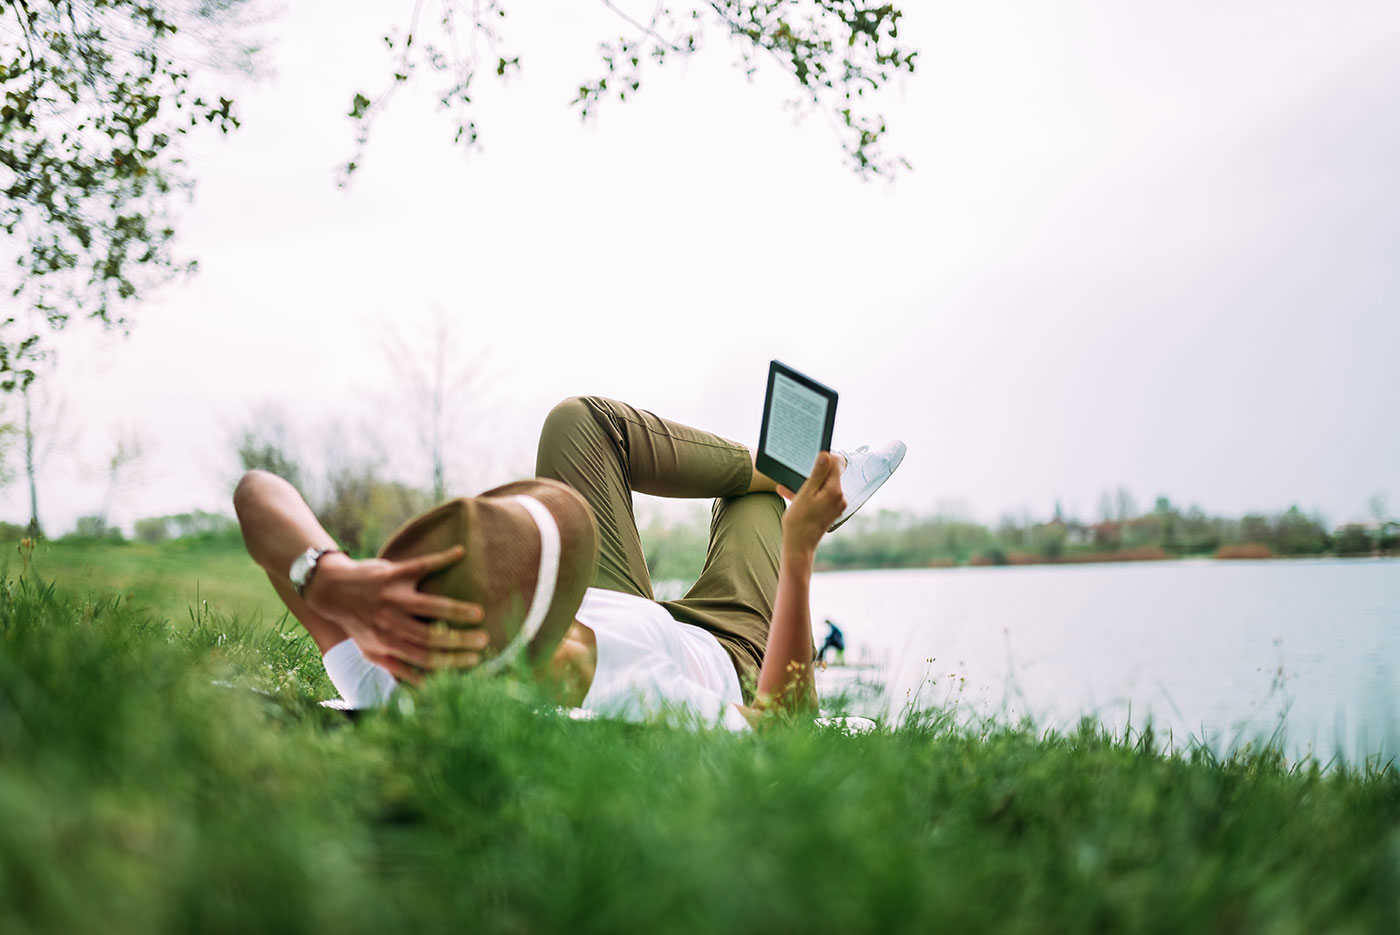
(311, 558)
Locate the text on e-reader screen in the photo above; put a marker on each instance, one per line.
(795, 422)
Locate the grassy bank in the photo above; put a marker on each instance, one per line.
(137, 795)
(166, 579)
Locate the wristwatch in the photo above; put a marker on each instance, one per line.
(304, 567)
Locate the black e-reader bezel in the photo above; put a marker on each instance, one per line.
(770, 466)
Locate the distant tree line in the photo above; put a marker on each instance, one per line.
(356, 504)
(1166, 531)
(360, 506)
(888, 539)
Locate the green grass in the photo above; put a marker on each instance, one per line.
(167, 579)
(136, 795)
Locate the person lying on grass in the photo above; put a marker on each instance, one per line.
(549, 574)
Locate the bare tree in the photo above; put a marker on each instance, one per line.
(1387, 526)
(441, 378)
(1105, 507)
(45, 428)
(126, 455)
(1377, 505)
(1127, 506)
(30, 468)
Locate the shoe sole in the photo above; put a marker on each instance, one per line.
(868, 491)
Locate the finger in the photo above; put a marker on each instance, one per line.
(455, 660)
(785, 493)
(427, 564)
(441, 636)
(439, 608)
(833, 480)
(438, 635)
(397, 668)
(821, 469)
(396, 645)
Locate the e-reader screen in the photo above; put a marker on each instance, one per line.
(798, 416)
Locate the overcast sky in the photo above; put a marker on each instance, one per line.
(1143, 244)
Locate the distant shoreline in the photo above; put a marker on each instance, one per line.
(1092, 558)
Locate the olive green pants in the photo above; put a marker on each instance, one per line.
(605, 450)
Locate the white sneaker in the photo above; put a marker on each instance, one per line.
(865, 471)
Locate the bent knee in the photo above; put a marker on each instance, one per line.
(569, 416)
(569, 411)
(575, 423)
(757, 507)
(577, 409)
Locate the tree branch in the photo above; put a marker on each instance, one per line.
(29, 44)
(645, 29)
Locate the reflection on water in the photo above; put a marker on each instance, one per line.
(1219, 652)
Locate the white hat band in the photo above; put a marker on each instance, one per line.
(544, 585)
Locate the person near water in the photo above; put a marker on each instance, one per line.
(835, 641)
(552, 570)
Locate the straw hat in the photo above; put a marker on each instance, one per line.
(531, 550)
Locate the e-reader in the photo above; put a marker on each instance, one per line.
(798, 417)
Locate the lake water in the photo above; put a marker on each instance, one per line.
(1216, 651)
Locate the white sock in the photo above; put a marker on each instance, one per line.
(360, 682)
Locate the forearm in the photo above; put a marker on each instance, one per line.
(785, 679)
(277, 524)
(374, 601)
